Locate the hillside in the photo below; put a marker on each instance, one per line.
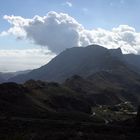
(1, 79)
(77, 109)
(8, 75)
(83, 61)
(133, 59)
(75, 94)
(108, 87)
(36, 98)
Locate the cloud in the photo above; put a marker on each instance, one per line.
(18, 60)
(58, 31)
(17, 23)
(69, 4)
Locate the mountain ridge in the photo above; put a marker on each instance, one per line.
(83, 61)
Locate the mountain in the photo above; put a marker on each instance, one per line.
(1, 79)
(133, 59)
(108, 87)
(6, 76)
(36, 98)
(96, 98)
(83, 61)
(76, 94)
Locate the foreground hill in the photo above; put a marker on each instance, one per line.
(97, 107)
(36, 98)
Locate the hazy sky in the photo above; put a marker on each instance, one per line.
(33, 31)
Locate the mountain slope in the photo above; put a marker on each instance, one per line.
(108, 87)
(6, 76)
(83, 61)
(76, 94)
(36, 98)
(1, 79)
(134, 60)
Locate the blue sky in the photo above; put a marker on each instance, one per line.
(100, 13)
(91, 14)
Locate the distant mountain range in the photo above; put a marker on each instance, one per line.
(4, 77)
(1, 79)
(83, 61)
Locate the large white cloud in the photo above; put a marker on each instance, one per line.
(58, 31)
